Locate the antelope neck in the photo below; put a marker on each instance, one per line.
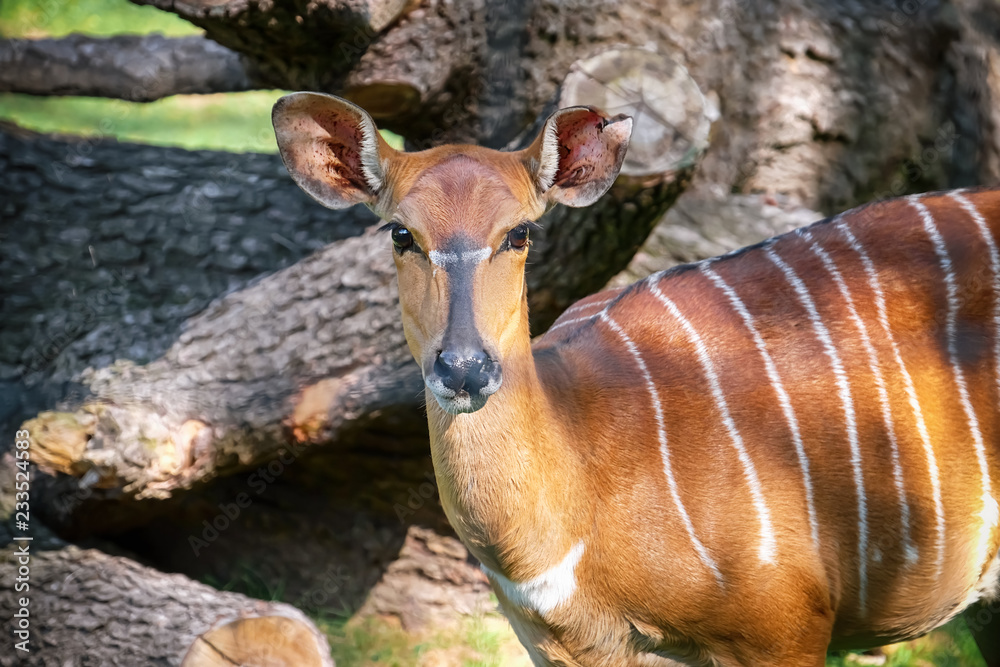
(502, 473)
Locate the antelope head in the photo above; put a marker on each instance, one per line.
(459, 218)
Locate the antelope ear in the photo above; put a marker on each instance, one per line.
(578, 155)
(331, 148)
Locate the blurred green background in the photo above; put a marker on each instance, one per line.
(56, 18)
(240, 122)
(237, 122)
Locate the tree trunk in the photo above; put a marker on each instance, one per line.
(86, 607)
(130, 67)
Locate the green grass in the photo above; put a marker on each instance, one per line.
(488, 641)
(237, 122)
(949, 646)
(479, 641)
(485, 640)
(368, 642)
(246, 579)
(55, 18)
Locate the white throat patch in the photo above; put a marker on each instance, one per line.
(546, 591)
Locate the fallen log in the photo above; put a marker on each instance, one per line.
(138, 68)
(86, 607)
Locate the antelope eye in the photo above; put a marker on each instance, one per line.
(402, 239)
(518, 237)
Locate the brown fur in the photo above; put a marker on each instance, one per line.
(567, 449)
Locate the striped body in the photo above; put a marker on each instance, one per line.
(743, 461)
(814, 425)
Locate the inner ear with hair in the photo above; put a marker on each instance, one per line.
(331, 148)
(578, 154)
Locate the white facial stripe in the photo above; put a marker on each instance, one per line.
(883, 394)
(444, 259)
(661, 434)
(951, 326)
(850, 419)
(911, 393)
(546, 591)
(768, 546)
(779, 389)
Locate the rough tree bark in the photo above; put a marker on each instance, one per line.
(129, 67)
(314, 44)
(87, 607)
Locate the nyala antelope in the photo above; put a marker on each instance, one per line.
(749, 460)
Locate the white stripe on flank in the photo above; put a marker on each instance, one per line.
(883, 395)
(768, 546)
(988, 514)
(779, 389)
(443, 259)
(844, 390)
(911, 393)
(661, 433)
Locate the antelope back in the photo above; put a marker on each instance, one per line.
(833, 391)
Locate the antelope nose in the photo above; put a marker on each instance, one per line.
(469, 370)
